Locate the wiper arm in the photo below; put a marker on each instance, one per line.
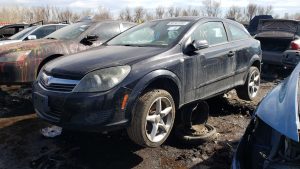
(134, 45)
(50, 38)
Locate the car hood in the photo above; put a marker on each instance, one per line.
(27, 45)
(77, 65)
(3, 42)
(279, 109)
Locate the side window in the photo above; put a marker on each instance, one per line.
(237, 33)
(9, 31)
(59, 26)
(106, 31)
(213, 32)
(44, 31)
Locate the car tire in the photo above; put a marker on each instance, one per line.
(251, 87)
(152, 118)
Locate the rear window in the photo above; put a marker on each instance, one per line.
(237, 33)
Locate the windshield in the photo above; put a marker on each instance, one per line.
(20, 35)
(69, 32)
(156, 33)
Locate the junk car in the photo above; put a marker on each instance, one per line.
(139, 79)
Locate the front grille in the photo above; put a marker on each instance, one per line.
(57, 84)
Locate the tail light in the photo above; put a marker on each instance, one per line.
(295, 45)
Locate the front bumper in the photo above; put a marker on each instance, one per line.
(81, 111)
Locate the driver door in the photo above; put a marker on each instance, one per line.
(215, 64)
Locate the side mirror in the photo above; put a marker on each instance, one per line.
(199, 44)
(31, 37)
(89, 39)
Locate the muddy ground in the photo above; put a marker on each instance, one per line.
(22, 146)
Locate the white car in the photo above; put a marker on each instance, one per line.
(32, 33)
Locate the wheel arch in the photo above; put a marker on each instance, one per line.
(46, 60)
(255, 61)
(161, 79)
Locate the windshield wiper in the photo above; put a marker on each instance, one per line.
(133, 45)
(50, 38)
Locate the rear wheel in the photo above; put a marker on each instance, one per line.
(153, 118)
(251, 87)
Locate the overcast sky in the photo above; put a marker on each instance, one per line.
(280, 6)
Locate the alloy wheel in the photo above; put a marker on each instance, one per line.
(159, 119)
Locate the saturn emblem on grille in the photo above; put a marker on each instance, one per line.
(47, 80)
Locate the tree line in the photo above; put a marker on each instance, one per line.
(213, 8)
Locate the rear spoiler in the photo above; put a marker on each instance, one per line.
(283, 25)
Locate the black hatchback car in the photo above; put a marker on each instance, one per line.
(139, 79)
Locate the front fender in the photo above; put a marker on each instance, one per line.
(146, 80)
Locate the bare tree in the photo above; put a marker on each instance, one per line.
(261, 10)
(139, 13)
(102, 14)
(250, 11)
(235, 13)
(149, 16)
(211, 8)
(177, 12)
(286, 16)
(159, 12)
(171, 12)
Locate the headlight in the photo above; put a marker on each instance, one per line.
(102, 80)
(15, 56)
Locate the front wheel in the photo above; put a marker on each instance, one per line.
(152, 118)
(251, 87)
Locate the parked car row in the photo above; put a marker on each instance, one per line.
(32, 33)
(21, 62)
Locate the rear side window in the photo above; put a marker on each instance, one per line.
(59, 26)
(9, 31)
(213, 32)
(44, 31)
(106, 31)
(237, 33)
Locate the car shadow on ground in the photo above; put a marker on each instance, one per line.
(271, 74)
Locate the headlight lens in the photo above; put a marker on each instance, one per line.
(102, 80)
(15, 56)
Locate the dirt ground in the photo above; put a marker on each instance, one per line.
(22, 146)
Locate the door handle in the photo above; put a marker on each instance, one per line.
(230, 53)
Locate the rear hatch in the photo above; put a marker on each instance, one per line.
(276, 36)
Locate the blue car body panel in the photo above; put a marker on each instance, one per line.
(279, 109)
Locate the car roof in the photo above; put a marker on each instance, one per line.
(51, 24)
(21, 24)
